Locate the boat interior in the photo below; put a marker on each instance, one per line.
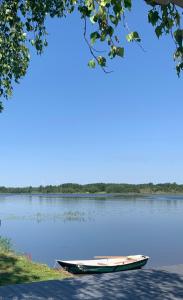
(108, 260)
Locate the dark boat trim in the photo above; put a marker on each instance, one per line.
(86, 269)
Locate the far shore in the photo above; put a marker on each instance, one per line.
(95, 194)
(111, 189)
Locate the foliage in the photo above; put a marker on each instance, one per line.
(22, 23)
(16, 268)
(69, 188)
(19, 269)
(167, 20)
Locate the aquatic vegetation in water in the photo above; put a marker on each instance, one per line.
(5, 244)
(67, 216)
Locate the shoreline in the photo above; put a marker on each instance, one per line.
(17, 269)
(155, 283)
(99, 188)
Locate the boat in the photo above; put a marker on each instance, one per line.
(104, 264)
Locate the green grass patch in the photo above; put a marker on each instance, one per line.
(19, 269)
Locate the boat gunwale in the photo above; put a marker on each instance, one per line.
(99, 264)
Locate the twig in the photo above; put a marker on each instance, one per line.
(92, 49)
(125, 24)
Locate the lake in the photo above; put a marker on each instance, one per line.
(53, 227)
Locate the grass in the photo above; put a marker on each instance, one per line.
(19, 269)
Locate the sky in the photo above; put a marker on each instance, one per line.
(68, 123)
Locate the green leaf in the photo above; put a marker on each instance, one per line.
(93, 19)
(112, 52)
(179, 68)
(104, 2)
(116, 51)
(133, 36)
(110, 30)
(158, 31)
(93, 36)
(1, 106)
(128, 4)
(178, 35)
(89, 4)
(84, 11)
(32, 42)
(153, 17)
(169, 23)
(114, 20)
(103, 35)
(120, 51)
(9, 92)
(91, 64)
(101, 61)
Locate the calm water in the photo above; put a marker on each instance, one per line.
(52, 226)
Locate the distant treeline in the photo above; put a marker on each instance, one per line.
(108, 188)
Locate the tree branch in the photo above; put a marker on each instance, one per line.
(165, 2)
(91, 48)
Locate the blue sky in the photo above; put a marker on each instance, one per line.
(67, 123)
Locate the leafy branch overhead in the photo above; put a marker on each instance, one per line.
(22, 23)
